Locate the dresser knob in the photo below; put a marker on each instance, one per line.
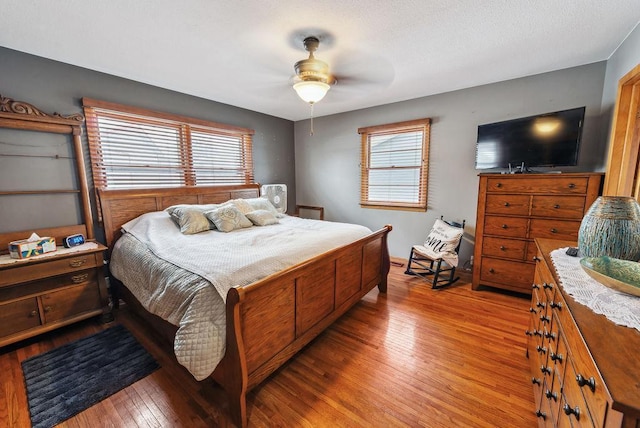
(532, 310)
(47, 309)
(491, 270)
(551, 395)
(535, 286)
(537, 333)
(536, 258)
(541, 349)
(503, 248)
(556, 206)
(582, 381)
(506, 204)
(547, 286)
(540, 304)
(527, 332)
(572, 186)
(498, 184)
(553, 230)
(571, 411)
(541, 414)
(555, 305)
(545, 319)
(550, 335)
(536, 381)
(545, 370)
(33, 314)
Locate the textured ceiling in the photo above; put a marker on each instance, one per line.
(242, 52)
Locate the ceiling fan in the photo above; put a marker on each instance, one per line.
(312, 75)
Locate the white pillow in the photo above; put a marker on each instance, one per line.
(442, 241)
(262, 217)
(189, 220)
(263, 204)
(228, 218)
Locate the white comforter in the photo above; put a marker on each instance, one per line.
(184, 279)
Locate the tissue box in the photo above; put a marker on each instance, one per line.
(24, 248)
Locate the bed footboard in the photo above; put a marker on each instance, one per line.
(271, 320)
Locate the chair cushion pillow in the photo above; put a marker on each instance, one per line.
(442, 241)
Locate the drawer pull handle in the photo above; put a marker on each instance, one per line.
(541, 304)
(541, 349)
(77, 262)
(503, 248)
(545, 319)
(572, 186)
(77, 279)
(33, 313)
(556, 305)
(547, 286)
(537, 333)
(541, 414)
(491, 270)
(556, 206)
(536, 381)
(553, 230)
(535, 286)
(555, 357)
(536, 258)
(550, 335)
(498, 184)
(545, 370)
(506, 204)
(551, 395)
(533, 311)
(47, 309)
(569, 411)
(528, 333)
(504, 226)
(582, 381)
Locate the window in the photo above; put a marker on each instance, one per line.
(394, 165)
(134, 148)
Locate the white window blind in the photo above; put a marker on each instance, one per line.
(135, 148)
(394, 165)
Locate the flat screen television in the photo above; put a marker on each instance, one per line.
(545, 140)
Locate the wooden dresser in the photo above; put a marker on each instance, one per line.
(513, 209)
(42, 293)
(585, 369)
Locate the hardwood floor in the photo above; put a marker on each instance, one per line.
(414, 357)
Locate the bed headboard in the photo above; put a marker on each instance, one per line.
(120, 206)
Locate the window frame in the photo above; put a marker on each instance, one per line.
(366, 133)
(183, 125)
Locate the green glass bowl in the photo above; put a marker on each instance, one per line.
(620, 275)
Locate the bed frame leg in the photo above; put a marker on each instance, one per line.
(385, 266)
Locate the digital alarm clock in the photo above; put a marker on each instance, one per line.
(73, 240)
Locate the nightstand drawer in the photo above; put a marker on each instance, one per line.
(31, 271)
(18, 316)
(571, 207)
(513, 227)
(70, 302)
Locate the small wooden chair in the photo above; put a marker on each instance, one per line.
(424, 261)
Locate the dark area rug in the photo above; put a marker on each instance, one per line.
(67, 380)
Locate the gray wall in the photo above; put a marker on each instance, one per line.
(56, 87)
(327, 163)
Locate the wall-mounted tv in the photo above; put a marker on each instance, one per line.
(545, 140)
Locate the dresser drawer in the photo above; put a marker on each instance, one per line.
(512, 273)
(574, 406)
(513, 227)
(71, 302)
(505, 248)
(18, 316)
(31, 271)
(545, 185)
(554, 229)
(570, 207)
(508, 204)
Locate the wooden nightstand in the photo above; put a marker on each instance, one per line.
(42, 293)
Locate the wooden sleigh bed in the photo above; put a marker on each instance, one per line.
(270, 320)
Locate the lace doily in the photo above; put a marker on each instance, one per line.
(620, 308)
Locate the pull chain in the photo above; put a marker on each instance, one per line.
(311, 132)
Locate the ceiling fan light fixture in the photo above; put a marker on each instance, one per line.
(311, 91)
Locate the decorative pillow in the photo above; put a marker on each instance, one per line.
(202, 208)
(262, 217)
(190, 220)
(242, 205)
(263, 204)
(228, 218)
(442, 241)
